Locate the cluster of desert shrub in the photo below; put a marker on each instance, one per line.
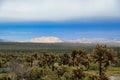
(77, 65)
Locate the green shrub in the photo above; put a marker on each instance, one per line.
(93, 66)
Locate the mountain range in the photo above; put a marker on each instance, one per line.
(51, 39)
(3, 40)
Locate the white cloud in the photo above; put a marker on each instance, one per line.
(57, 10)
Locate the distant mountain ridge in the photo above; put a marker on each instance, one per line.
(2, 40)
(51, 39)
(93, 40)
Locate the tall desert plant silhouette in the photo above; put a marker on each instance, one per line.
(104, 56)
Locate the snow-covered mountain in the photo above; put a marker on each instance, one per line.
(46, 40)
(93, 40)
(52, 39)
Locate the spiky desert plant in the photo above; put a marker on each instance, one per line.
(104, 56)
(77, 73)
(34, 73)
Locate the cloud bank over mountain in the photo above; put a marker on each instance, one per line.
(58, 10)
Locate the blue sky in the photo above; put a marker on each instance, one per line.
(62, 30)
(65, 19)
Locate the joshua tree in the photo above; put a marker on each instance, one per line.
(77, 73)
(80, 57)
(48, 59)
(60, 71)
(29, 59)
(65, 59)
(34, 73)
(103, 56)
